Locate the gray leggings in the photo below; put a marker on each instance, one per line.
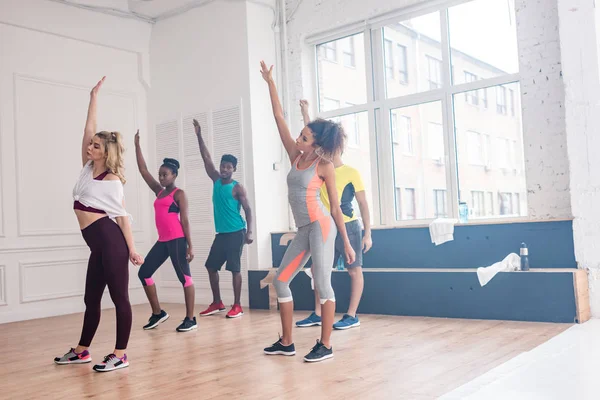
(317, 240)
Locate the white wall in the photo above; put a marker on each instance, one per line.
(202, 61)
(270, 184)
(579, 40)
(49, 60)
(542, 101)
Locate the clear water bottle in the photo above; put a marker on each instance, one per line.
(463, 212)
(524, 257)
(340, 264)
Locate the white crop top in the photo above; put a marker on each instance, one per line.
(106, 195)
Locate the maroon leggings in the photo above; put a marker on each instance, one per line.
(108, 265)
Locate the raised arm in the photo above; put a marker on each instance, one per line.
(209, 166)
(284, 132)
(148, 178)
(90, 124)
(327, 172)
(241, 195)
(363, 206)
(304, 111)
(182, 202)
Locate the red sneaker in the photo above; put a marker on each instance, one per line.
(214, 308)
(235, 312)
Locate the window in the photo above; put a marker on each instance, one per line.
(471, 97)
(351, 128)
(333, 77)
(505, 200)
(395, 133)
(516, 203)
(389, 59)
(328, 51)
(511, 98)
(501, 100)
(477, 204)
(484, 99)
(489, 205)
(348, 52)
(329, 104)
(439, 199)
(483, 33)
(411, 208)
(406, 131)
(479, 148)
(402, 64)
(398, 197)
(407, 43)
(436, 141)
(414, 70)
(434, 68)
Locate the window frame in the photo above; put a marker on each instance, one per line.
(379, 108)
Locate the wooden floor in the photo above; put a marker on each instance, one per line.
(385, 358)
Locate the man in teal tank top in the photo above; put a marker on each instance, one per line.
(229, 197)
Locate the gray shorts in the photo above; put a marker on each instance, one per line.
(355, 235)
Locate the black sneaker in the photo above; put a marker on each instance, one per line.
(187, 325)
(279, 348)
(156, 319)
(319, 353)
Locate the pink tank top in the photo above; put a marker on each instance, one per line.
(166, 215)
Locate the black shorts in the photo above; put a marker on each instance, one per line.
(355, 236)
(227, 248)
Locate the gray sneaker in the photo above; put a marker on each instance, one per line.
(111, 363)
(74, 358)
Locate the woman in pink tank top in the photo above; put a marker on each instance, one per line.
(174, 240)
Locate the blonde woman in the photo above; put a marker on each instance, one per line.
(105, 226)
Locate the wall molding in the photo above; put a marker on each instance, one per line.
(3, 300)
(2, 168)
(134, 284)
(17, 77)
(23, 266)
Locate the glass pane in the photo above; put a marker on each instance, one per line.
(412, 55)
(419, 162)
(357, 153)
(489, 142)
(338, 63)
(483, 40)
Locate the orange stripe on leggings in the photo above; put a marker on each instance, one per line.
(325, 224)
(291, 268)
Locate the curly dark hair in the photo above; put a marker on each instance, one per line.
(329, 135)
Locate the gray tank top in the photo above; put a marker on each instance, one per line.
(304, 194)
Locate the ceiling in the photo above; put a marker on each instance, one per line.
(156, 8)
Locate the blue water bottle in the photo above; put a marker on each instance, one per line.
(524, 257)
(340, 264)
(463, 212)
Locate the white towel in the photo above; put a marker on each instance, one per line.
(511, 262)
(442, 230)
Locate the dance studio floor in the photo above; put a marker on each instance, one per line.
(386, 358)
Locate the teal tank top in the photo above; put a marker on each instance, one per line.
(226, 208)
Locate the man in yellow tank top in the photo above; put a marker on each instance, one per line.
(349, 186)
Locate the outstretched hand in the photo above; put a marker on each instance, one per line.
(137, 138)
(197, 127)
(267, 73)
(96, 88)
(304, 106)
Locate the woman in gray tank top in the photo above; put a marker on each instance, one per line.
(310, 156)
